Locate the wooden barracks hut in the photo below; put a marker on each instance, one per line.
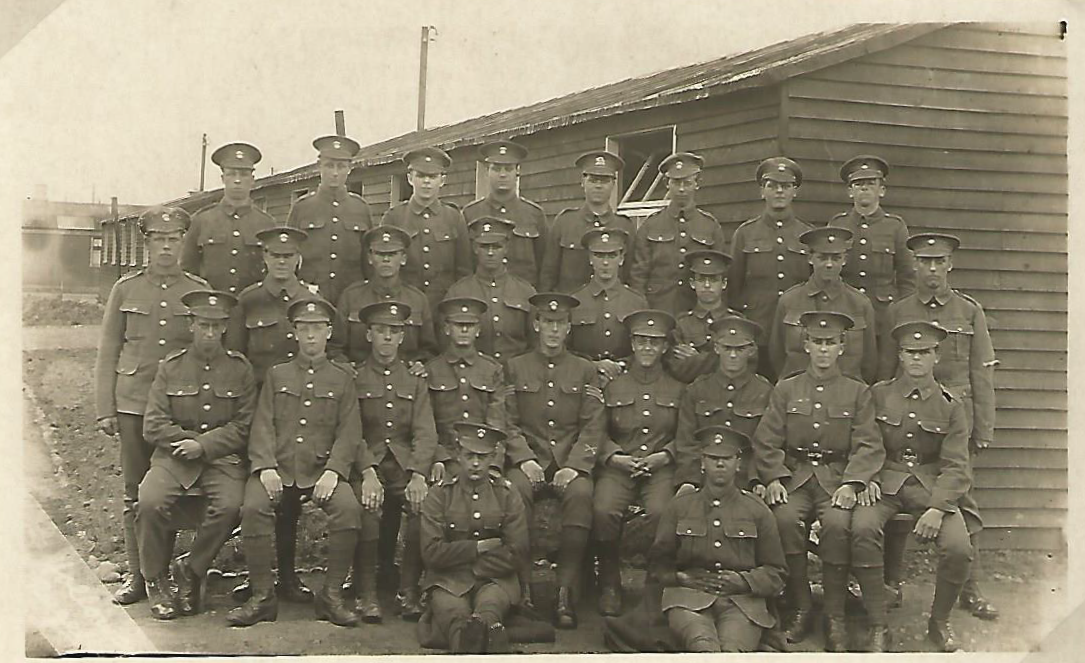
(973, 120)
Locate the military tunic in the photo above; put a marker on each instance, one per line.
(221, 246)
(658, 265)
(733, 531)
(469, 387)
(258, 326)
(349, 342)
(528, 239)
(440, 250)
(927, 466)
(694, 327)
(210, 400)
(597, 329)
(860, 358)
(817, 433)
(505, 329)
(642, 416)
(714, 400)
(767, 259)
(332, 256)
(566, 267)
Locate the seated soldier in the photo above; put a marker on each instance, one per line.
(693, 354)
(927, 473)
(198, 415)
(818, 434)
(718, 555)
(305, 435)
(638, 456)
(733, 395)
(474, 536)
(397, 424)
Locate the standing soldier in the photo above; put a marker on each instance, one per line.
(638, 455)
(505, 330)
(222, 246)
(926, 473)
(474, 534)
(145, 320)
(199, 411)
(693, 354)
(565, 262)
(305, 437)
(397, 422)
(879, 263)
(818, 435)
(718, 554)
(557, 405)
(965, 370)
(439, 253)
(666, 239)
(767, 255)
(824, 291)
(528, 237)
(335, 219)
(732, 395)
(386, 251)
(259, 329)
(598, 333)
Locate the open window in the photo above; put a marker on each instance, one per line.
(641, 189)
(298, 194)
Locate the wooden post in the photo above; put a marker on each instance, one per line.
(423, 62)
(340, 124)
(203, 161)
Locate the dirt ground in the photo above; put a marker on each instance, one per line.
(40, 309)
(79, 486)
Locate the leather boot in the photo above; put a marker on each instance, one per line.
(973, 601)
(879, 639)
(289, 588)
(161, 598)
(134, 588)
(798, 625)
(190, 587)
(328, 602)
(497, 641)
(410, 573)
(473, 636)
(566, 609)
(409, 600)
(365, 582)
(941, 635)
(610, 578)
(836, 635)
(262, 605)
(798, 591)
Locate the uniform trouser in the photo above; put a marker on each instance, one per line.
(489, 601)
(159, 491)
(576, 517)
(386, 522)
(812, 501)
(721, 627)
(135, 461)
(615, 490)
(258, 513)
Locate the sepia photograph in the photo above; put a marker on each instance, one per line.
(425, 328)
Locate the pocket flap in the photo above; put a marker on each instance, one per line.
(660, 236)
(529, 233)
(691, 528)
(740, 529)
(936, 426)
(258, 319)
(883, 245)
(743, 410)
(584, 317)
(483, 385)
(136, 306)
(182, 390)
(800, 406)
(620, 400)
(892, 418)
(527, 385)
(519, 305)
(127, 364)
(227, 390)
(666, 401)
(759, 245)
(840, 411)
(572, 388)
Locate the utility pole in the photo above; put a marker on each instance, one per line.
(203, 161)
(422, 65)
(340, 124)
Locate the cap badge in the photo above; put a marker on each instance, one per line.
(678, 165)
(604, 237)
(823, 323)
(481, 433)
(502, 150)
(311, 308)
(553, 304)
(732, 331)
(165, 216)
(428, 158)
(465, 309)
(393, 309)
(864, 166)
(212, 300)
(832, 238)
(485, 227)
(600, 161)
(930, 241)
(336, 144)
(918, 335)
(719, 438)
(239, 154)
(781, 168)
(386, 237)
(283, 237)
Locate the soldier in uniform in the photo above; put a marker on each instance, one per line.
(222, 246)
(665, 240)
(397, 422)
(474, 534)
(557, 405)
(879, 263)
(305, 436)
(767, 255)
(733, 395)
(718, 555)
(528, 236)
(927, 473)
(386, 248)
(199, 410)
(693, 354)
(638, 454)
(824, 291)
(439, 253)
(505, 330)
(260, 330)
(145, 320)
(965, 370)
(598, 333)
(816, 448)
(565, 261)
(335, 219)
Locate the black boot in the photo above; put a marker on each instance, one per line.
(190, 587)
(409, 596)
(262, 605)
(798, 590)
(973, 600)
(566, 609)
(328, 602)
(365, 582)
(473, 636)
(836, 635)
(497, 641)
(161, 598)
(879, 639)
(941, 635)
(610, 578)
(134, 588)
(939, 631)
